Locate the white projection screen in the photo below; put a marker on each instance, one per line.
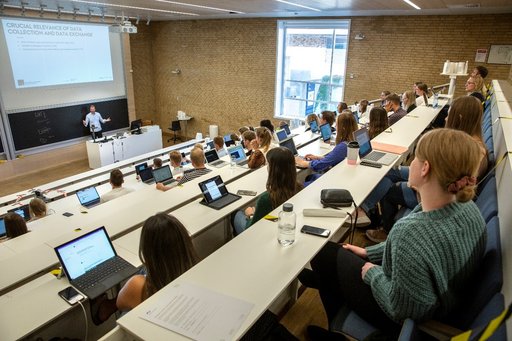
(47, 64)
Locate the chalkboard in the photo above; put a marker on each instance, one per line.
(40, 127)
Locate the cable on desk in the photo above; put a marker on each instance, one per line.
(86, 322)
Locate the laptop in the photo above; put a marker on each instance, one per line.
(212, 158)
(238, 153)
(210, 145)
(281, 135)
(367, 153)
(215, 194)
(325, 130)
(140, 167)
(91, 263)
(289, 144)
(146, 175)
(163, 175)
(286, 127)
(313, 125)
(228, 141)
(3, 233)
(21, 211)
(88, 197)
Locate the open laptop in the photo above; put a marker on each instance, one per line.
(212, 158)
(140, 167)
(367, 153)
(281, 135)
(91, 263)
(21, 211)
(146, 175)
(215, 193)
(88, 197)
(286, 127)
(228, 141)
(289, 144)
(163, 175)
(2, 228)
(238, 153)
(326, 132)
(210, 145)
(314, 126)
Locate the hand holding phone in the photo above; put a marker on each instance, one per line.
(71, 295)
(316, 231)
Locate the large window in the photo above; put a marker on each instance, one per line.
(311, 63)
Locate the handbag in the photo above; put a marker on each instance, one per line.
(336, 198)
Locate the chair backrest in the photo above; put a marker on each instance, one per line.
(486, 282)
(175, 125)
(487, 200)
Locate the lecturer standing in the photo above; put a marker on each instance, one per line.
(94, 121)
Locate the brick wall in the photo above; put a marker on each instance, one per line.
(228, 66)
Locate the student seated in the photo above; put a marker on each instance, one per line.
(482, 72)
(392, 104)
(247, 137)
(345, 127)
(14, 225)
(363, 112)
(281, 185)
(383, 96)
(197, 160)
(157, 162)
(327, 117)
(264, 140)
(166, 252)
(378, 122)
(341, 106)
(409, 101)
(429, 255)
(116, 181)
(267, 124)
(310, 118)
(474, 86)
(422, 93)
(218, 143)
(176, 161)
(37, 209)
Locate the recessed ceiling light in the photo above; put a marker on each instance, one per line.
(199, 6)
(302, 6)
(133, 7)
(412, 4)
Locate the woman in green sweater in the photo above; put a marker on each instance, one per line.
(281, 185)
(428, 255)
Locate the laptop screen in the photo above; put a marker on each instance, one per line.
(286, 127)
(289, 144)
(146, 174)
(2, 227)
(281, 135)
(85, 253)
(314, 126)
(211, 155)
(213, 189)
(21, 211)
(325, 130)
(88, 196)
(210, 145)
(238, 153)
(363, 138)
(140, 167)
(162, 174)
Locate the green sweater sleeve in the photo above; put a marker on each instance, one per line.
(375, 252)
(263, 207)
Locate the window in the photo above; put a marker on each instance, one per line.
(311, 63)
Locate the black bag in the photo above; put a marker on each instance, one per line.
(335, 198)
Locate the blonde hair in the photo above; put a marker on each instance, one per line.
(37, 208)
(454, 159)
(479, 82)
(265, 137)
(345, 126)
(197, 157)
(411, 98)
(199, 145)
(175, 157)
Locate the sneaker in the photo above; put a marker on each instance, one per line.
(377, 236)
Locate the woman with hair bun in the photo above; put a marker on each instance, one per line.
(429, 255)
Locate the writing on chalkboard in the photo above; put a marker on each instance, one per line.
(40, 127)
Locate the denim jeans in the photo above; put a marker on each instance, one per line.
(240, 222)
(392, 177)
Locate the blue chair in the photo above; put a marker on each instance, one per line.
(487, 201)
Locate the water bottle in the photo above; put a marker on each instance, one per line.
(436, 100)
(232, 158)
(286, 225)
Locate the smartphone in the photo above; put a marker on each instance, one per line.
(316, 231)
(67, 214)
(246, 192)
(71, 295)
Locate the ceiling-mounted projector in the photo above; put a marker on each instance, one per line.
(125, 27)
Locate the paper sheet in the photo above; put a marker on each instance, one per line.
(390, 148)
(199, 313)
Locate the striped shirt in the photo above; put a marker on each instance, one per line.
(191, 174)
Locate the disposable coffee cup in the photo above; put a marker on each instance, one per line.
(352, 152)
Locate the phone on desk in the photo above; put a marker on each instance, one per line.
(246, 192)
(316, 231)
(71, 295)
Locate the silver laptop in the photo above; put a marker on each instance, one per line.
(238, 154)
(91, 263)
(367, 153)
(212, 158)
(163, 175)
(281, 135)
(88, 197)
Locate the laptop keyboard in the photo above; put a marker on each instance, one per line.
(169, 181)
(96, 275)
(218, 163)
(374, 156)
(243, 163)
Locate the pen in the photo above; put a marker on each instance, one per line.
(413, 116)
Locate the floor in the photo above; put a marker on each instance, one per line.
(307, 310)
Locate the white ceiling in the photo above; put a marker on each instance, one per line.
(159, 10)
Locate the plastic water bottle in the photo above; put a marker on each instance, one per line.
(232, 161)
(286, 225)
(435, 103)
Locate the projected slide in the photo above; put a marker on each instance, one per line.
(54, 53)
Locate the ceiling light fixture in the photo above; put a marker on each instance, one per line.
(133, 7)
(302, 6)
(409, 2)
(199, 6)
